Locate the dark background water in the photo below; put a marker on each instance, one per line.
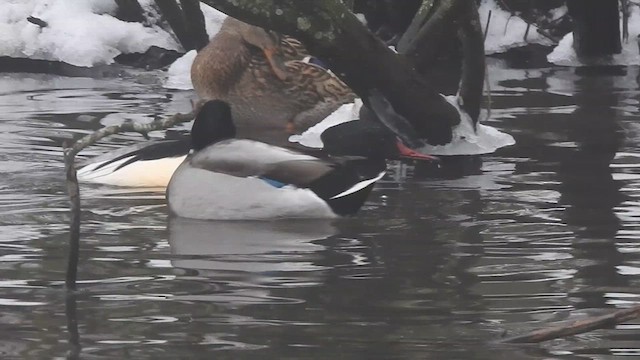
(435, 266)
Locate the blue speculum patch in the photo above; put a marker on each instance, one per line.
(274, 183)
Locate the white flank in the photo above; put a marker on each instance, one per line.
(142, 173)
(200, 194)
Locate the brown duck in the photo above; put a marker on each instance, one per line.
(272, 90)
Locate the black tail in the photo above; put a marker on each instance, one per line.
(347, 187)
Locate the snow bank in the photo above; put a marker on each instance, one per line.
(506, 31)
(179, 73)
(564, 54)
(467, 141)
(82, 33)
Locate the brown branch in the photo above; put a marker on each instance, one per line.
(577, 327)
(74, 223)
(73, 188)
(71, 312)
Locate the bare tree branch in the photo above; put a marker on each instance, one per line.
(421, 17)
(577, 327)
(73, 189)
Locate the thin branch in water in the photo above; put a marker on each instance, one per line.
(71, 312)
(73, 188)
(577, 327)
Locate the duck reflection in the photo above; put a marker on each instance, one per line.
(250, 246)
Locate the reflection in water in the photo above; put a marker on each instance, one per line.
(251, 246)
(586, 169)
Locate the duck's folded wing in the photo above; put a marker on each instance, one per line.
(247, 158)
(301, 173)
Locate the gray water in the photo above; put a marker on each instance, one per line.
(439, 264)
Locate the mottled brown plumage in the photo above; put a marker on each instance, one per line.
(264, 77)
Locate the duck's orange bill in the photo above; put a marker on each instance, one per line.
(412, 154)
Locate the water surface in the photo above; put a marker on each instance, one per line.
(437, 265)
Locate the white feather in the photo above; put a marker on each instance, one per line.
(141, 173)
(359, 186)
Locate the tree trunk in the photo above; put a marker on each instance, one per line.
(191, 33)
(195, 24)
(129, 10)
(335, 35)
(596, 27)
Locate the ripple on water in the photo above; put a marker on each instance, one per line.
(435, 265)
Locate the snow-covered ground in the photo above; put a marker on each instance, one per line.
(82, 33)
(506, 31)
(86, 33)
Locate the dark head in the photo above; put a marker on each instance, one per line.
(213, 123)
(367, 139)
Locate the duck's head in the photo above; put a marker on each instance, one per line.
(213, 123)
(267, 41)
(367, 139)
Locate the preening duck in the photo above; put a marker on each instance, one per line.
(230, 178)
(267, 80)
(151, 164)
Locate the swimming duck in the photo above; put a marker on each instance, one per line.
(229, 178)
(266, 78)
